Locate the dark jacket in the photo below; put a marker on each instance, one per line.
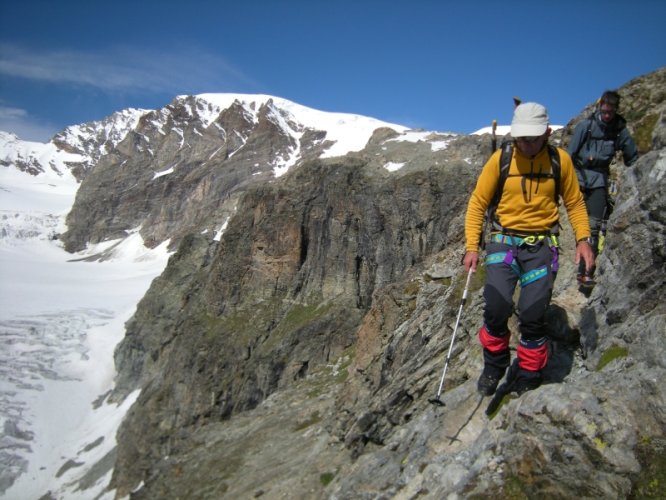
(593, 147)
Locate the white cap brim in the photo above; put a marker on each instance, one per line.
(525, 130)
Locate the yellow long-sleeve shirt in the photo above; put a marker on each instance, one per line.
(527, 204)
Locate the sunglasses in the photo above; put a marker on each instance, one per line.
(529, 139)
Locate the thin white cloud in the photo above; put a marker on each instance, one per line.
(8, 113)
(25, 126)
(124, 69)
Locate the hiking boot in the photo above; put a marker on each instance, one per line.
(520, 381)
(488, 381)
(494, 366)
(526, 381)
(487, 384)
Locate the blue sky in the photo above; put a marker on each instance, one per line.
(432, 64)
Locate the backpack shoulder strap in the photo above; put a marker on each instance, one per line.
(507, 152)
(504, 166)
(586, 136)
(556, 166)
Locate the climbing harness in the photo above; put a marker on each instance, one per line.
(517, 241)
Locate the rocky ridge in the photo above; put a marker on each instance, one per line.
(295, 358)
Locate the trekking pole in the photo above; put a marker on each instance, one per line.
(493, 141)
(436, 399)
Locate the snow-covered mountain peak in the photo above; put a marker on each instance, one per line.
(79, 147)
(97, 138)
(35, 158)
(349, 132)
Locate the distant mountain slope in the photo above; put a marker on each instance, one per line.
(182, 168)
(199, 151)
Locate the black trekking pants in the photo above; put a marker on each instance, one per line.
(532, 266)
(596, 201)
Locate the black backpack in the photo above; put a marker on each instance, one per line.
(505, 164)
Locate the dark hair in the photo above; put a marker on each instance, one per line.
(610, 97)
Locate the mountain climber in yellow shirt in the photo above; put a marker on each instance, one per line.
(522, 245)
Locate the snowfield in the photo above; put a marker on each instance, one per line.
(60, 319)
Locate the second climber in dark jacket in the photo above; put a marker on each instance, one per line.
(593, 146)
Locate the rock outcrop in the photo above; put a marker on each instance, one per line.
(282, 294)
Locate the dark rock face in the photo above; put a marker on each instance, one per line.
(281, 295)
(295, 357)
